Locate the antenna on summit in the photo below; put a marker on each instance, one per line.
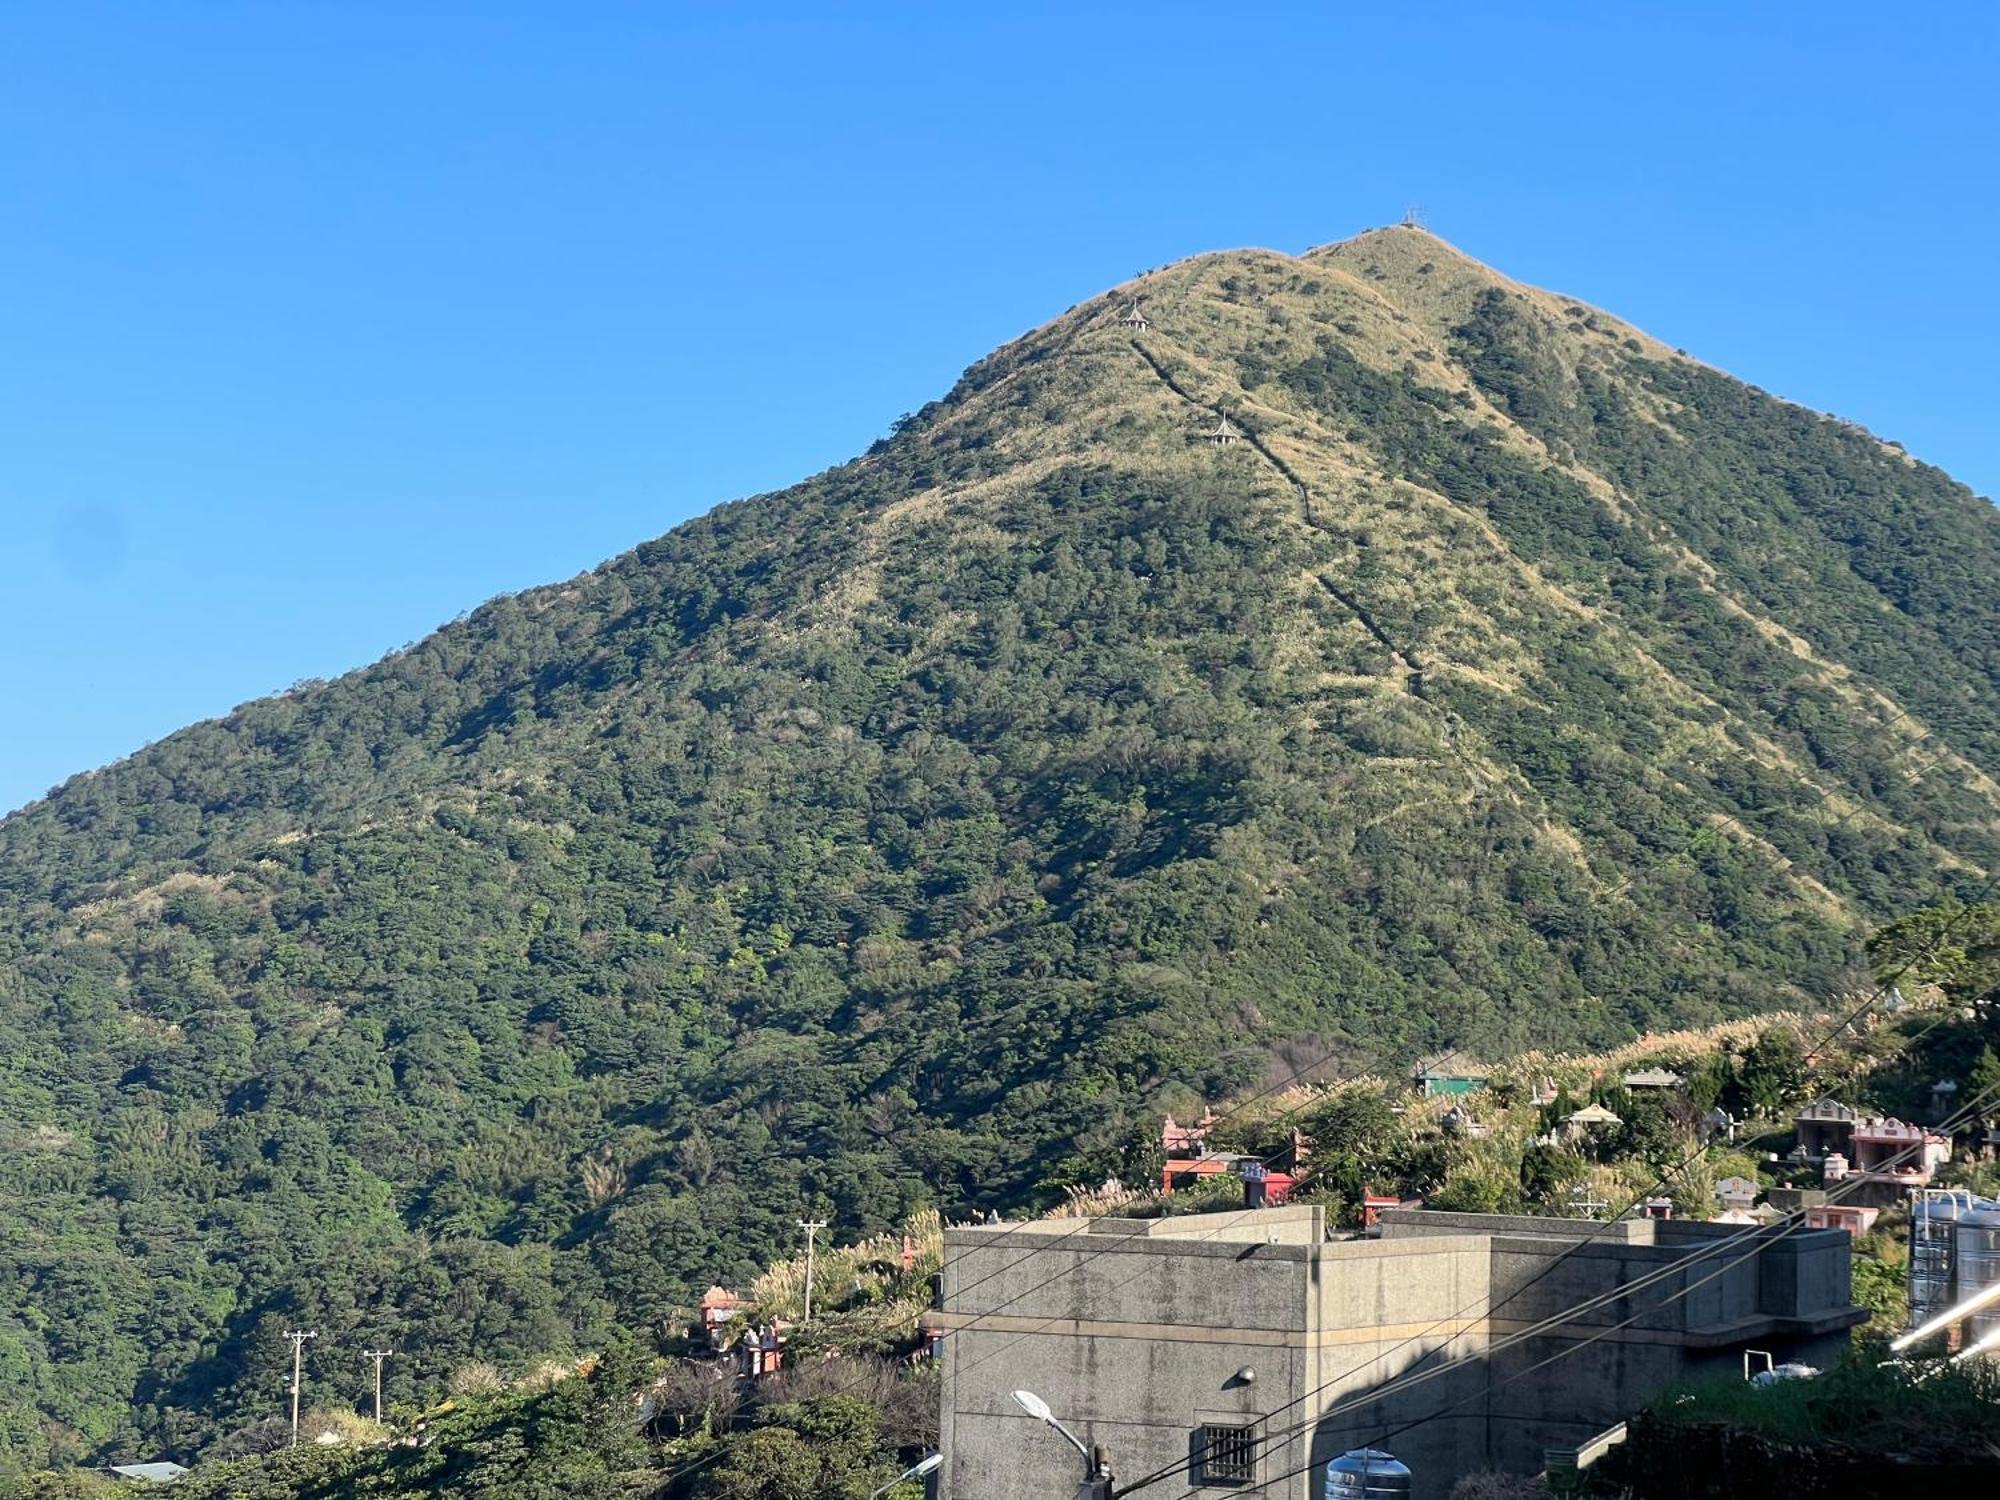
(1412, 219)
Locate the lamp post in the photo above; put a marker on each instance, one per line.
(916, 1470)
(1096, 1466)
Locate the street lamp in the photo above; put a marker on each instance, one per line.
(916, 1470)
(1037, 1408)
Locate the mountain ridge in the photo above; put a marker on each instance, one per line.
(1118, 296)
(915, 834)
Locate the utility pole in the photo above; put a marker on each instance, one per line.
(378, 1355)
(1098, 1485)
(811, 1227)
(298, 1338)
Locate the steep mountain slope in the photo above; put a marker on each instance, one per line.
(910, 833)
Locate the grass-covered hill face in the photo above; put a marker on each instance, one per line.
(907, 835)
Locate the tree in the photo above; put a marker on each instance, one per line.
(847, 847)
(1773, 1069)
(1477, 1185)
(1692, 1187)
(1882, 1289)
(1983, 1083)
(1707, 1079)
(1546, 1171)
(1649, 1131)
(1952, 946)
(769, 1463)
(69, 1484)
(820, 1449)
(1356, 1138)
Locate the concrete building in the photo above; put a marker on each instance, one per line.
(1177, 1139)
(720, 1307)
(1855, 1218)
(1823, 1125)
(1577, 1128)
(1889, 1159)
(1188, 1159)
(1163, 1338)
(1737, 1193)
(1944, 1097)
(1657, 1079)
(1789, 1199)
(159, 1472)
(1898, 1155)
(1448, 1075)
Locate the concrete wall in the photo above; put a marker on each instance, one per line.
(1133, 1331)
(1136, 1332)
(1723, 1289)
(1390, 1308)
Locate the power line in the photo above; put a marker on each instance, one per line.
(1795, 1221)
(1491, 1307)
(1458, 752)
(1295, 1076)
(1880, 992)
(1112, 1244)
(1797, 1218)
(1406, 1382)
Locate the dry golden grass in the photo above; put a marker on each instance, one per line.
(870, 1267)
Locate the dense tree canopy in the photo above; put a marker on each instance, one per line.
(915, 834)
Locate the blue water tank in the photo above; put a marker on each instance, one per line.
(1366, 1474)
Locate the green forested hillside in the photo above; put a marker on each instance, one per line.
(911, 834)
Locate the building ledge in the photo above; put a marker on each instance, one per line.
(1765, 1325)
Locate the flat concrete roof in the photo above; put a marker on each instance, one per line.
(1292, 1225)
(1297, 1232)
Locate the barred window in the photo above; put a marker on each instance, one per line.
(1226, 1455)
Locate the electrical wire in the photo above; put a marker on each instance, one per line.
(1880, 993)
(1794, 1223)
(1063, 1241)
(1056, 1242)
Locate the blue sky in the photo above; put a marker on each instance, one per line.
(320, 323)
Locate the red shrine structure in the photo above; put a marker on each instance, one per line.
(1189, 1159)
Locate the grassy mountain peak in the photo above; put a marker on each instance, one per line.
(913, 835)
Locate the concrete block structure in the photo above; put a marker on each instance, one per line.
(1188, 1159)
(1892, 1158)
(1448, 1075)
(1158, 1338)
(1824, 1125)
